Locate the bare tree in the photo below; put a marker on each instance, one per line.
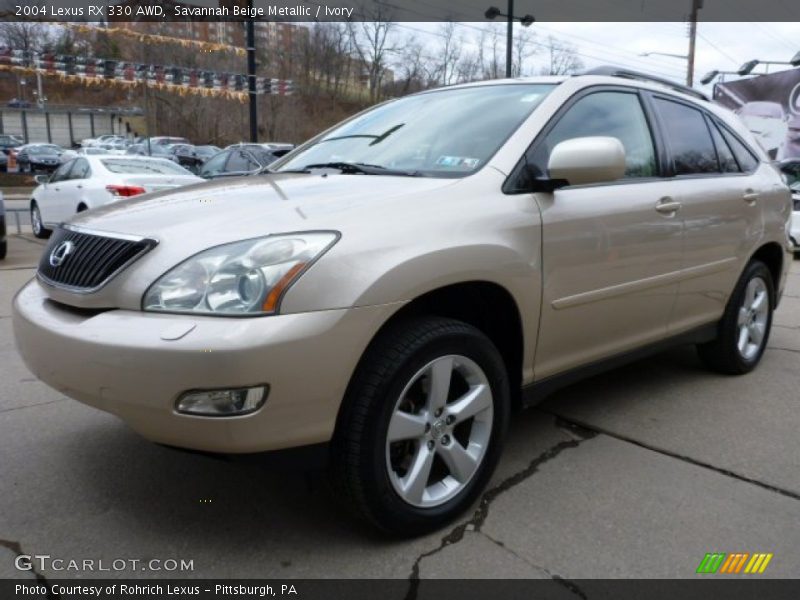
(448, 54)
(562, 58)
(29, 36)
(371, 41)
(523, 49)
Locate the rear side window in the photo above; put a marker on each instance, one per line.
(747, 161)
(124, 166)
(727, 161)
(80, 169)
(613, 114)
(688, 138)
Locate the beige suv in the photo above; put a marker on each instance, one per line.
(398, 285)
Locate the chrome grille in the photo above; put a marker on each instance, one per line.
(92, 258)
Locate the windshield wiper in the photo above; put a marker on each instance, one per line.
(349, 168)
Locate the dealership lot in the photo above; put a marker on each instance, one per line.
(636, 473)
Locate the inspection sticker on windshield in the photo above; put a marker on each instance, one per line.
(530, 98)
(457, 162)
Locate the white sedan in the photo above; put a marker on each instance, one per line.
(91, 181)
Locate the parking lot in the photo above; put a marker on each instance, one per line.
(636, 473)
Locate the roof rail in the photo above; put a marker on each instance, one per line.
(628, 74)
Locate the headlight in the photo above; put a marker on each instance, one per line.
(242, 278)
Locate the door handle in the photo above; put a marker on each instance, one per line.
(750, 197)
(57, 189)
(668, 206)
(80, 187)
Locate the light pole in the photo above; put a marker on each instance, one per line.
(493, 12)
(748, 67)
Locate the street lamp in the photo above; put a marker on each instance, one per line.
(493, 12)
(748, 67)
(682, 56)
(712, 75)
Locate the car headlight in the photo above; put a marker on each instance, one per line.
(242, 278)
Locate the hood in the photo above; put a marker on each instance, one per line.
(232, 209)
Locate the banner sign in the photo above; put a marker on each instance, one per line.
(158, 76)
(769, 105)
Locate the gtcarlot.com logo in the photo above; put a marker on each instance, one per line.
(45, 562)
(734, 563)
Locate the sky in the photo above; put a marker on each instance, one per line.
(721, 46)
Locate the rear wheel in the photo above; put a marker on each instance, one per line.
(3, 249)
(422, 425)
(39, 230)
(745, 326)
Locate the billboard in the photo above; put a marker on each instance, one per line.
(770, 107)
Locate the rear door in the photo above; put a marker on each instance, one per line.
(719, 208)
(52, 202)
(610, 251)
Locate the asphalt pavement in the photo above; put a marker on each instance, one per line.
(637, 473)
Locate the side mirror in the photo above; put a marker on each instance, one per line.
(42, 179)
(586, 160)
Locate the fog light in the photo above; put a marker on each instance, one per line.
(222, 403)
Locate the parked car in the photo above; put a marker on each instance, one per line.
(87, 182)
(99, 141)
(795, 227)
(166, 140)
(241, 159)
(88, 151)
(17, 103)
(39, 157)
(3, 238)
(395, 286)
(192, 157)
(158, 150)
(768, 122)
(9, 142)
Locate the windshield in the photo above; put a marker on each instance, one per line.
(149, 167)
(448, 133)
(43, 150)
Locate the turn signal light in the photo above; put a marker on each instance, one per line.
(125, 191)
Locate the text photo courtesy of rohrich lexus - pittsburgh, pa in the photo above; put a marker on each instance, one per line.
(398, 298)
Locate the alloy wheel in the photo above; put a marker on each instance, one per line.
(752, 319)
(439, 432)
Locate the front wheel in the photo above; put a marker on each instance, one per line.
(39, 230)
(422, 425)
(745, 326)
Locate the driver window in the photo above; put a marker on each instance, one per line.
(613, 114)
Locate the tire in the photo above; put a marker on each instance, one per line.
(389, 390)
(3, 249)
(81, 208)
(39, 230)
(748, 313)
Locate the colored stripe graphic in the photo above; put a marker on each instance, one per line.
(711, 562)
(758, 564)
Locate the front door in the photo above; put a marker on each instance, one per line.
(610, 252)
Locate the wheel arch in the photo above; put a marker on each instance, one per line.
(487, 306)
(772, 255)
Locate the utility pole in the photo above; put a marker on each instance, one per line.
(696, 6)
(251, 74)
(510, 38)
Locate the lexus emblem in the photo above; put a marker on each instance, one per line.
(60, 253)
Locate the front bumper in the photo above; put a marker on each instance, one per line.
(119, 361)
